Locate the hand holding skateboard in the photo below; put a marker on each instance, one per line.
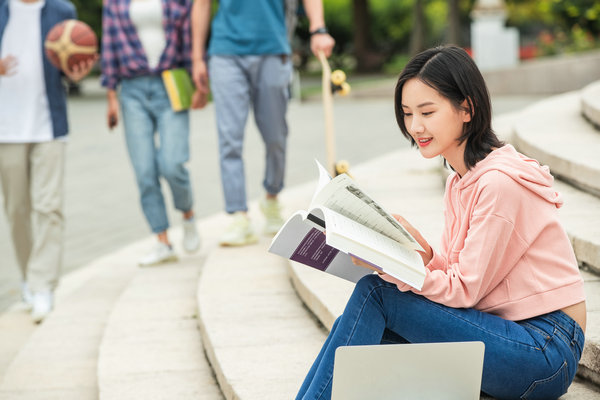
(332, 82)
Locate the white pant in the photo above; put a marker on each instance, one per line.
(32, 176)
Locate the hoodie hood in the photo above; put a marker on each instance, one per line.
(524, 170)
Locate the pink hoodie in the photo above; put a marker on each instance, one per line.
(503, 248)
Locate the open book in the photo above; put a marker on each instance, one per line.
(354, 224)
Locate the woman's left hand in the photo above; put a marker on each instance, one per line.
(81, 70)
(364, 264)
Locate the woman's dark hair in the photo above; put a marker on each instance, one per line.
(453, 74)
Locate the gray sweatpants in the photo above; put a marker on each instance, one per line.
(236, 83)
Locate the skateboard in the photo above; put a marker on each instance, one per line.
(332, 82)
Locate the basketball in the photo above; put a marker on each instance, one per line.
(70, 42)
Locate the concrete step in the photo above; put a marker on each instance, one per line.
(581, 218)
(259, 338)
(151, 347)
(57, 359)
(553, 132)
(251, 288)
(590, 103)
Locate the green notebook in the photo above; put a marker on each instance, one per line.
(180, 88)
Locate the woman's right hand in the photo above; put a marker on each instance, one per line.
(8, 65)
(112, 115)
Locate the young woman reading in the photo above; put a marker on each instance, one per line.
(505, 274)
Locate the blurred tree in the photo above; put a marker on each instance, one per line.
(90, 12)
(453, 35)
(367, 59)
(417, 36)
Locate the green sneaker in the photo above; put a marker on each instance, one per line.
(272, 211)
(239, 232)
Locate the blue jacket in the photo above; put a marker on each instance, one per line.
(53, 12)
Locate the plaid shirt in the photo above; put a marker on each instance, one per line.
(122, 52)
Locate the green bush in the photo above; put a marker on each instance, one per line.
(557, 26)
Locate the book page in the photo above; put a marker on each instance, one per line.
(324, 179)
(339, 224)
(342, 195)
(375, 248)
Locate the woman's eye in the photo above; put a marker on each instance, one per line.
(407, 115)
(428, 113)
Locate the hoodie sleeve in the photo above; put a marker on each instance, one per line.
(491, 247)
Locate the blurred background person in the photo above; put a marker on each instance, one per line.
(33, 133)
(249, 63)
(142, 38)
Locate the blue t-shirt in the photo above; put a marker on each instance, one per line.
(245, 27)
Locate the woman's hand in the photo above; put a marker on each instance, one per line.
(364, 264)
(428, 254)
(8, 65)
(81, 70)
(112, 115)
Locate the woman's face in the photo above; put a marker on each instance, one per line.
(434, 123)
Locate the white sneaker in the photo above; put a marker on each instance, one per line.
(43, 302)
(26, 295)
(239, 232)
(191, 238)
(272, 211)
(161, 253)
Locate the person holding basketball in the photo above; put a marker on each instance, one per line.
(248, 61)
(33, 132)
(142, 38)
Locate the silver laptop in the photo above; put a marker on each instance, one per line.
(427, 371)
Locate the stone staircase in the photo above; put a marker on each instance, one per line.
(231, 323)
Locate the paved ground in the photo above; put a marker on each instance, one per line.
(102, 206)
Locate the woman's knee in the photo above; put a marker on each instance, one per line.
(368, 282)
(367, 286)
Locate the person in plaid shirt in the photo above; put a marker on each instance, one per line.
(142, 38)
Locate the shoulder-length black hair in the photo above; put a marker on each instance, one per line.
(453, 74)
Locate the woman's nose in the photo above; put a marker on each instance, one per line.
(416, 125)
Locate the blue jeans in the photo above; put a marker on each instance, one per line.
(146, 110)
(530, 359)
(236, 83)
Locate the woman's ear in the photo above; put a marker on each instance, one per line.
(467, 109)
